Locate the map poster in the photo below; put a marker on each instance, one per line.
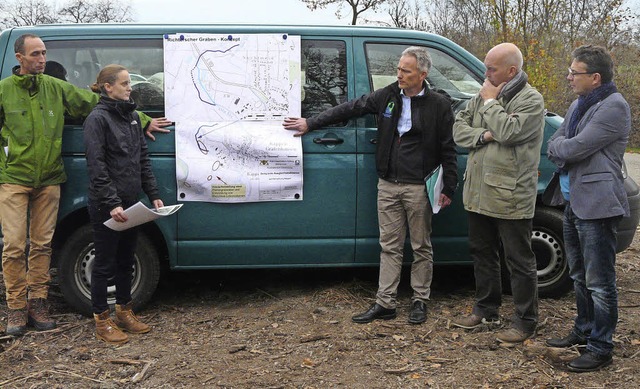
(239, 161)
(228, 95)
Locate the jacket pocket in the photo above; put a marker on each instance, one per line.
(595, 177)
(500, 181)
(497, 195)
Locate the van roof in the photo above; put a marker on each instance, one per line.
(133, 28)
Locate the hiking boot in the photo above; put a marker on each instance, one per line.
(16, 321)
(472, 321)
(38, 315)
(513, 335)
(128, 321)
(107, 330)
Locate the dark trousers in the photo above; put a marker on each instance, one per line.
(113, 262)
(591, 251)
(485, 236)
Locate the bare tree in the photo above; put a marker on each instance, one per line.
(26, 13)
(96, 11)
(357, 7)
(408, 14)
(15, 13)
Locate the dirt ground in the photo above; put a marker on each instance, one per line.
(293, 329)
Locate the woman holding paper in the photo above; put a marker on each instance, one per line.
(119, 169)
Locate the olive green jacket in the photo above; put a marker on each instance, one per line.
(501, 177)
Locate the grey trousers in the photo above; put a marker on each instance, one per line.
(485, 235)
(399, 206)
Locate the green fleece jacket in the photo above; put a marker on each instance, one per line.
(32, 109)
(501, 177)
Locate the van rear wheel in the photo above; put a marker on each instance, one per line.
(76, 262)
(547, 243)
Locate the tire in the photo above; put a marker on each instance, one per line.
(548, 245)
(76, 262)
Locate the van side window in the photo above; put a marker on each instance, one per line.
(324, 75)
(83, 59)
(446, 72)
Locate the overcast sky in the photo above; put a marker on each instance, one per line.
(236, 11)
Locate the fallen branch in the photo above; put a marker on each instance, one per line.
(124, 361)
(68, 373)
(18, 379)
(235, 349)
(314, 338)
(402, 370)
(629, 290)
(140, 376)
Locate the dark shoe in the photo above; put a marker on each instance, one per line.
(16, 322)
(375, 312)
(590, 361)
(568, 341)
(38, 313)
(513, 335)
(418, 314)
(472, 321)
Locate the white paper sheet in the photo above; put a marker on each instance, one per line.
(139, 213)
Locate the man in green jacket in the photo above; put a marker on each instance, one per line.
(32, 108)
(503, 128)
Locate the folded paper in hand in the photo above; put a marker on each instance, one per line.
(139, 213)
(434, 185)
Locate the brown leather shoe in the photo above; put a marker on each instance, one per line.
(128, 321)
(17, 321)
(513, 335)
(472, 321)
(38, 315)
(107, 330)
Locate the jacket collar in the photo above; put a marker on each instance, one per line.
(30, 82)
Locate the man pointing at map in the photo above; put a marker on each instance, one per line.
(414, 137)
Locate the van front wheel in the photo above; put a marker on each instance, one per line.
(76, 262)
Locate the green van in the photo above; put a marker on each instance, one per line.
(336, 223)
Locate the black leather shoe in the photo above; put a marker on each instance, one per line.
(570, 340)
(375, 312)
(590, 361)
(418, 314)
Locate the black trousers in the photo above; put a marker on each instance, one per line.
(485, 236)
(113, 262)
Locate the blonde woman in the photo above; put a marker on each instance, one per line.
(119, 169)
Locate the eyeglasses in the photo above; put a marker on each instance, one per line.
(573, 73)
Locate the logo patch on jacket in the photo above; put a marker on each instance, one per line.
(134, 122)
(389, 110)
(51, 113)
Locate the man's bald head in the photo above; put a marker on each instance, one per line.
(503, 62)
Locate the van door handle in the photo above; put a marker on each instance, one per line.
(373, 141)
(328, 141)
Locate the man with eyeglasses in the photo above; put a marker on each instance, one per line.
(502, 127)
(588, 149)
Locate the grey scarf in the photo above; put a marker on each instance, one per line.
(514, 86)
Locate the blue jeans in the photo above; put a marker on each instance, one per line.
(591, 252)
